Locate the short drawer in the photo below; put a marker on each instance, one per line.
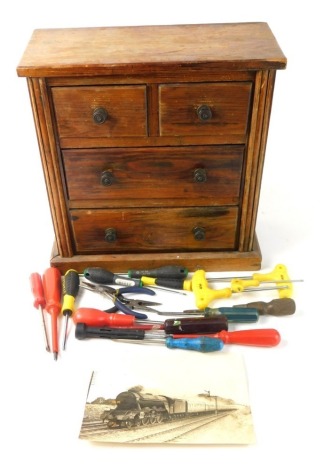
(205, 173)
(100, 111)
(205, 109)
(154, 230)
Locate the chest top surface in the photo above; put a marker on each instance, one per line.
(110, 50)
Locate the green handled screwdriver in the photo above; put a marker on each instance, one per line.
(71, 284)
(232, 314)
(103, 276)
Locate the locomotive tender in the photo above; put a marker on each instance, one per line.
(136, 409)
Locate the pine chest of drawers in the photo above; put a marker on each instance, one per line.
(152, 140)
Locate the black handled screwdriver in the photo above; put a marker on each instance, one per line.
(103, 276)
(276, 307)
(71, 284)
(165, 272)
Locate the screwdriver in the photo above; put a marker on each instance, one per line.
(276, 307)
(204, 294)
(182, 284)
(258, 337)
(201, 325)
(165, 272)
(71, 284)
(201, 344)
(103, 276)
(233, 314)
(278, 275)
(53, 290)
(39, 301)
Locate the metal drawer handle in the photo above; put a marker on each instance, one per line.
(110, 235)
(106, 178)
(200, 175)
(199, 233)
(100, 115)
(204, 113)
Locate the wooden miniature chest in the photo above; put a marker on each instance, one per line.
(152, 140)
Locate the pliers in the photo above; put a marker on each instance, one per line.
(122, 303)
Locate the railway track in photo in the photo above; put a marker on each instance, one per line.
(165, 432)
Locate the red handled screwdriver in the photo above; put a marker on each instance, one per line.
(95, 317)
(39, 301)
(257, 337)
(52, 283)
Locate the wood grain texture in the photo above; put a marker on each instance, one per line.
(228, 103)
(125, 107)
(141, 174)
(88, 51)
(154, 230)
(136, 172)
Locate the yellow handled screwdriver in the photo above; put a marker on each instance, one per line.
(279, 275)
(204, 294)
(71, 284)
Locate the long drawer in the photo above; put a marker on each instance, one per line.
(212, 173)
(154, 230)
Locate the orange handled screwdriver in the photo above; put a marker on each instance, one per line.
(39, 301)
(52, 283)
(258, 337)
(95, 317)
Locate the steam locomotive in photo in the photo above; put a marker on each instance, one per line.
(137, 409)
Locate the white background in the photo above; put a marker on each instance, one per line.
(41, 401)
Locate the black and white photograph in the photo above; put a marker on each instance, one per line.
(170, 406)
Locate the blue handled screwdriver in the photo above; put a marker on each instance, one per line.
(201, 344)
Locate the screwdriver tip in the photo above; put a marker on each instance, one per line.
(55, 356)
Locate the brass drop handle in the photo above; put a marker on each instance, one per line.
(100, 115)
(106, 178)
(110, 235)
(204, 113)
(199, 233)
(200, 175)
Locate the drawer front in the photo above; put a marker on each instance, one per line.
(205, 173)
(205, 109)
(100, 111)
(154, 230)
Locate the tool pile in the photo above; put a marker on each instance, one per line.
(203, 328)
